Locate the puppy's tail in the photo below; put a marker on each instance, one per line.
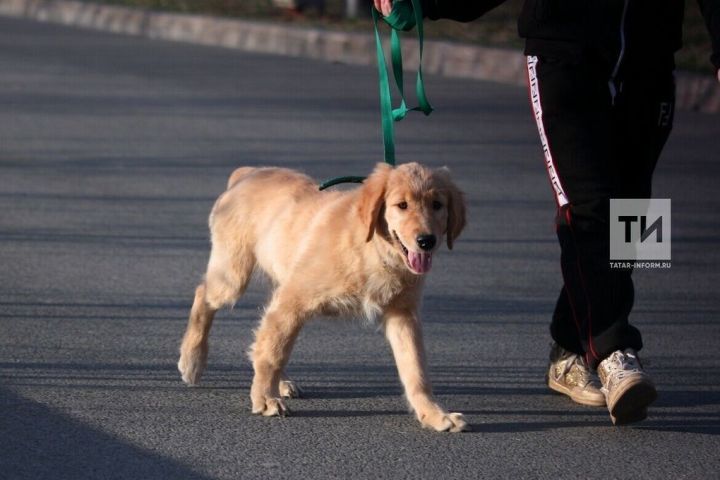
(238, 175)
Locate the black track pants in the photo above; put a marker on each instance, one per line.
(597, 146)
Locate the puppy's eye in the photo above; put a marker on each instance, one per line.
(437, 205)
(402, 205)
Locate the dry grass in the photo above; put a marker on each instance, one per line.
(497, 28)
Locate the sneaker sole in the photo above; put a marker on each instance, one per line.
(629, 403)
(637, 416)
(577, 398)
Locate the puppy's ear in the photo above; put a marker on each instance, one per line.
(372, 195)
(456, 207)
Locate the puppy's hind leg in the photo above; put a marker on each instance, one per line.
(194, 347)
(224, 283)
(288, 388)
(274, 340)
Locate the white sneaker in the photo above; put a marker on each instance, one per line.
(568, 374)
(627, 388)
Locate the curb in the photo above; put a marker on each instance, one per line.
(694, 91)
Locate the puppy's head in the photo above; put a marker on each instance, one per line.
(412, 207)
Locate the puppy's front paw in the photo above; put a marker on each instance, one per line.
(269, 407)
(289, 389)
(441, 421)
(192, 364)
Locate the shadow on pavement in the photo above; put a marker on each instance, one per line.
(39, 443)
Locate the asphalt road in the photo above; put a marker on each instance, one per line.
(112, 150)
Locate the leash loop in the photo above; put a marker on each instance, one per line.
(405, 15)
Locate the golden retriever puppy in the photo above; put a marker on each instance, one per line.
(358, 252)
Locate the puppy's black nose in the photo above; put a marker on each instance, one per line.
(426, 242)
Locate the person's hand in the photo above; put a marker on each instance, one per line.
(383, 6)
(718, 75)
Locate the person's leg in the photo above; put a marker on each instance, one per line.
(575, 119)
(643, 121)
(597, 149)
(564, 328)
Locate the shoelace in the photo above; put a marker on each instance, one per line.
(621, 364)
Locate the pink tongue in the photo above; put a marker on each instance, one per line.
(420, 262)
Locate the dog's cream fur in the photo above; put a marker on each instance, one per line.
(330, 253)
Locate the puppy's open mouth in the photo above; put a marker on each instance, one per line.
(417, 262)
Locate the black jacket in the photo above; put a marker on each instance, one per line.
(648, 32)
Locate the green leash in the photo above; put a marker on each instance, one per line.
(405, 15)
